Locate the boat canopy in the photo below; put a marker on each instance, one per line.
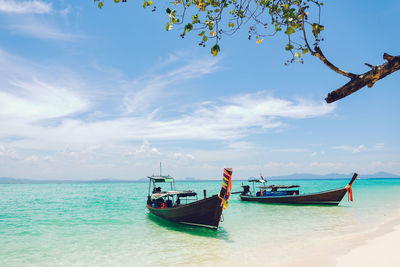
(161, 179)
(279, 186)
(188, 193)
(257, 180)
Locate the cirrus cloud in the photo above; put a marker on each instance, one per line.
(352, 149)
(26, 7)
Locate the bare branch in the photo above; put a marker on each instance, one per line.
(369, 65)
(318, 53)
(369, 78)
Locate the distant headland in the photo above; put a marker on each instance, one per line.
(294, 176)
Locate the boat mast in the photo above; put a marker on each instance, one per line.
(160, 168)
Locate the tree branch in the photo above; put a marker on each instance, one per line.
(369, 78)
(318, 53)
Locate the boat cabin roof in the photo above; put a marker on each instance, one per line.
(256, 180)
(279, 186)
(188, 193)
(161, 179)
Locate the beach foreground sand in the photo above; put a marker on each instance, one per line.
(376, 247)
(379, 251)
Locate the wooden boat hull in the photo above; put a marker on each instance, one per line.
(331, 197)
(205, 212)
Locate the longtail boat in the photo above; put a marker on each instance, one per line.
(289, 194)
(184, 206)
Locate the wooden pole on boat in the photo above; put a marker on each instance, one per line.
(353, 179)
(205, 193)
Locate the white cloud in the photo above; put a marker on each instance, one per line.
(148, 90)
(37, 100)
(182, 156)
(7, 152)
(30, 92)
(289, 150)
(261, 104)
(144, 151)
(25, 101)
(359, 149)
(376, 166)
(216, 156)
(352, 149)
(241, 145)
(43, 30)
(44, 113)
(327, 166)
(268, 169)
(25, 7)
(211, 122)
(65, 11)
(39, 159)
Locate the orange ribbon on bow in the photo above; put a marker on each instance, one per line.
(349, 193)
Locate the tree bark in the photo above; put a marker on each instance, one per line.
(369, 78)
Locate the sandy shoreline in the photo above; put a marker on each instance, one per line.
(379, 251)
(379, 246)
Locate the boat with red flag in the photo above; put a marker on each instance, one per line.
(290, 194)
(185, 206)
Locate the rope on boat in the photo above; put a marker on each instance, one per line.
(349, 192)
(349, 189)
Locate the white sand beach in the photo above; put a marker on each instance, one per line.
(376, 247)
(379, 251)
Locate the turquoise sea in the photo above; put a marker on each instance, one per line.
(106, 224)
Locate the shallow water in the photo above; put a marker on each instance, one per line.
(106, 224)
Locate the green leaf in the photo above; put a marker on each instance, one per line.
(100, 4)
(289, 30)
(205, 38)
(289, 47)
(144, 4)
(210, 25)
(188, 27)
(215, 50)
(116, 1)
(305, 51)
(316, 29)
(231, 25)
(149, 3)
(202, 33)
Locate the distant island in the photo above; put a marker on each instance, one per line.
(294, 176)
(333, 176)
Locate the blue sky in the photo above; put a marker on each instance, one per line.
(90, 94)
